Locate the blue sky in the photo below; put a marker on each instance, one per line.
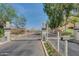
(33, 12)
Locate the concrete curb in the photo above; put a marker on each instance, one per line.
(54, 47)
(1, 43)
(74, 41)
(44, 48)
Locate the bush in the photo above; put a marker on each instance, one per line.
(17, 31)
(1, 32)
(51, 51)
(72, 35)
(67, 32)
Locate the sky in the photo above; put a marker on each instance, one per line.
(33, 12)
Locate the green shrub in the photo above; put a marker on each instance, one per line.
(51, 51)
(1, 32)
(72, 35)
(67, 32)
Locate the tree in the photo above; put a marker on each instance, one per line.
(74, 20)
(20, 22)
(55, 13)
(7, 13)
(67, 12)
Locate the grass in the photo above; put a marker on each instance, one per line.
(1, 32)
(51, 51)
(68, 32)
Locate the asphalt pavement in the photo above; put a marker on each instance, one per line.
(73, 48)
(26, 47)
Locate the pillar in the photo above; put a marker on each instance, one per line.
(7, 31)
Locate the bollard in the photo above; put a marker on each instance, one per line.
(47, 31)
(66, 38)
(66, 48)
(58, 42)
(44, 33)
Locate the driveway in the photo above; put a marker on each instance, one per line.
(26, 47)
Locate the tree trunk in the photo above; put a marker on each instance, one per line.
(65, 24)
(74, 25)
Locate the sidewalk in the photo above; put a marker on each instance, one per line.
(3, 40)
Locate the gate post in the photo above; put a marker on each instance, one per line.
(66, 47)
(7, 31)
(66, 38)
(76, 31)
(58, 45)
(43, 32)
(47, 32)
